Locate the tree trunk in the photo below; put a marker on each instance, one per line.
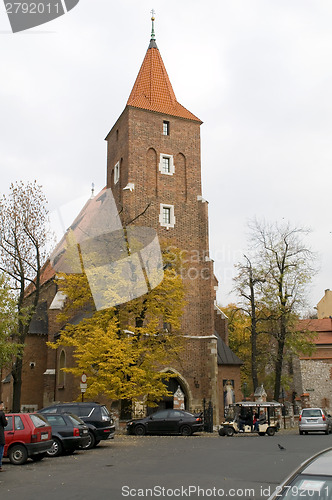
(17, 385)
(254, 358)
(253, 331)
(280, 358)
(23, 329)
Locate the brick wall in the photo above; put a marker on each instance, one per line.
(317, 382)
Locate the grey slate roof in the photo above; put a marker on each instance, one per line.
(39, 322)
(225, 354)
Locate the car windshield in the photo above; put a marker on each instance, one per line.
(231, 412)
(38, 420)
(74, 419)
(308, 486)
(48, 410)
(311, 413)
(104, 411)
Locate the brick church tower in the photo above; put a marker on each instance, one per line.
(154, 171)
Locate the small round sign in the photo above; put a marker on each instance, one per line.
(83, 378)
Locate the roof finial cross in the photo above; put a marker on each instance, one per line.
(153, 36)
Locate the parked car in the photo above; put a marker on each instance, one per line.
(26, 435)
(312, 479)
(94, 415)
(166, 422)
(241, 418)
(314, 420)
(69, 433)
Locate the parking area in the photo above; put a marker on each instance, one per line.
(165, 467)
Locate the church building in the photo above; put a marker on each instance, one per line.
(154, 173)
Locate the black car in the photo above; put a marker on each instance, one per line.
(68, 433)
(94, 415)
(166, 422)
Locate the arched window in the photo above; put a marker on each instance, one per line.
(62, 364)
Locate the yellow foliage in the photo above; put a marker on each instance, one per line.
(123, 349)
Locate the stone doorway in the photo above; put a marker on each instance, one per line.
(173, 384)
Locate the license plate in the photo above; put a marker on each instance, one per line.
(44, 436)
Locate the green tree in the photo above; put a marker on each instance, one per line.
(23, 239)
(286, 263)
(248, 285)
(239, 338)
(8, 324)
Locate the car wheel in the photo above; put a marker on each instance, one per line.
(229, 431)
(327, 431)
(261, 433)
(221, 431)
(91, 443)
(186, 430)
(18, 454)
(56, 448)
(270, 431)
(38, 457)
(300, 432)
(139, 430)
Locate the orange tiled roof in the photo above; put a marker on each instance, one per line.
(46, 273)
(153, 90)
(323, 327)
(316, 325)
(317, 356)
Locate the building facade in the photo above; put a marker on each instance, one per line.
(154, 172)
(324, 306)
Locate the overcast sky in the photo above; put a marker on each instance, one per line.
(258, 73)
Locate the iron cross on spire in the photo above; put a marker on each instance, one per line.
(153, 36)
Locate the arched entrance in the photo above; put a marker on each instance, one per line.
(168, 401)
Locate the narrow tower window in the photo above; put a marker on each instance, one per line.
(166, 164)
(61, 374)
(166, 216)
(165, 127)
(117, 172)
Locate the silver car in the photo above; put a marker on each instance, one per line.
(314, 420)
(312, 480)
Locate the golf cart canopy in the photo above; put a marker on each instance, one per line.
(255, 404)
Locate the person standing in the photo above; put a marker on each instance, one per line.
(3, 423)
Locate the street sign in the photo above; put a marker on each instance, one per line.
(83, 384)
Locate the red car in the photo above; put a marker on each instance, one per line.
(26, 435)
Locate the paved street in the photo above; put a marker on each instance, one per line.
(241, 467)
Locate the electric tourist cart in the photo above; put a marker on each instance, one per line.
(252, 417)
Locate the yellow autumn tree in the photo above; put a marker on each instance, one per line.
(123, 349)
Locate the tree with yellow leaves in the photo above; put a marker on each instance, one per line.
(124, 349)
